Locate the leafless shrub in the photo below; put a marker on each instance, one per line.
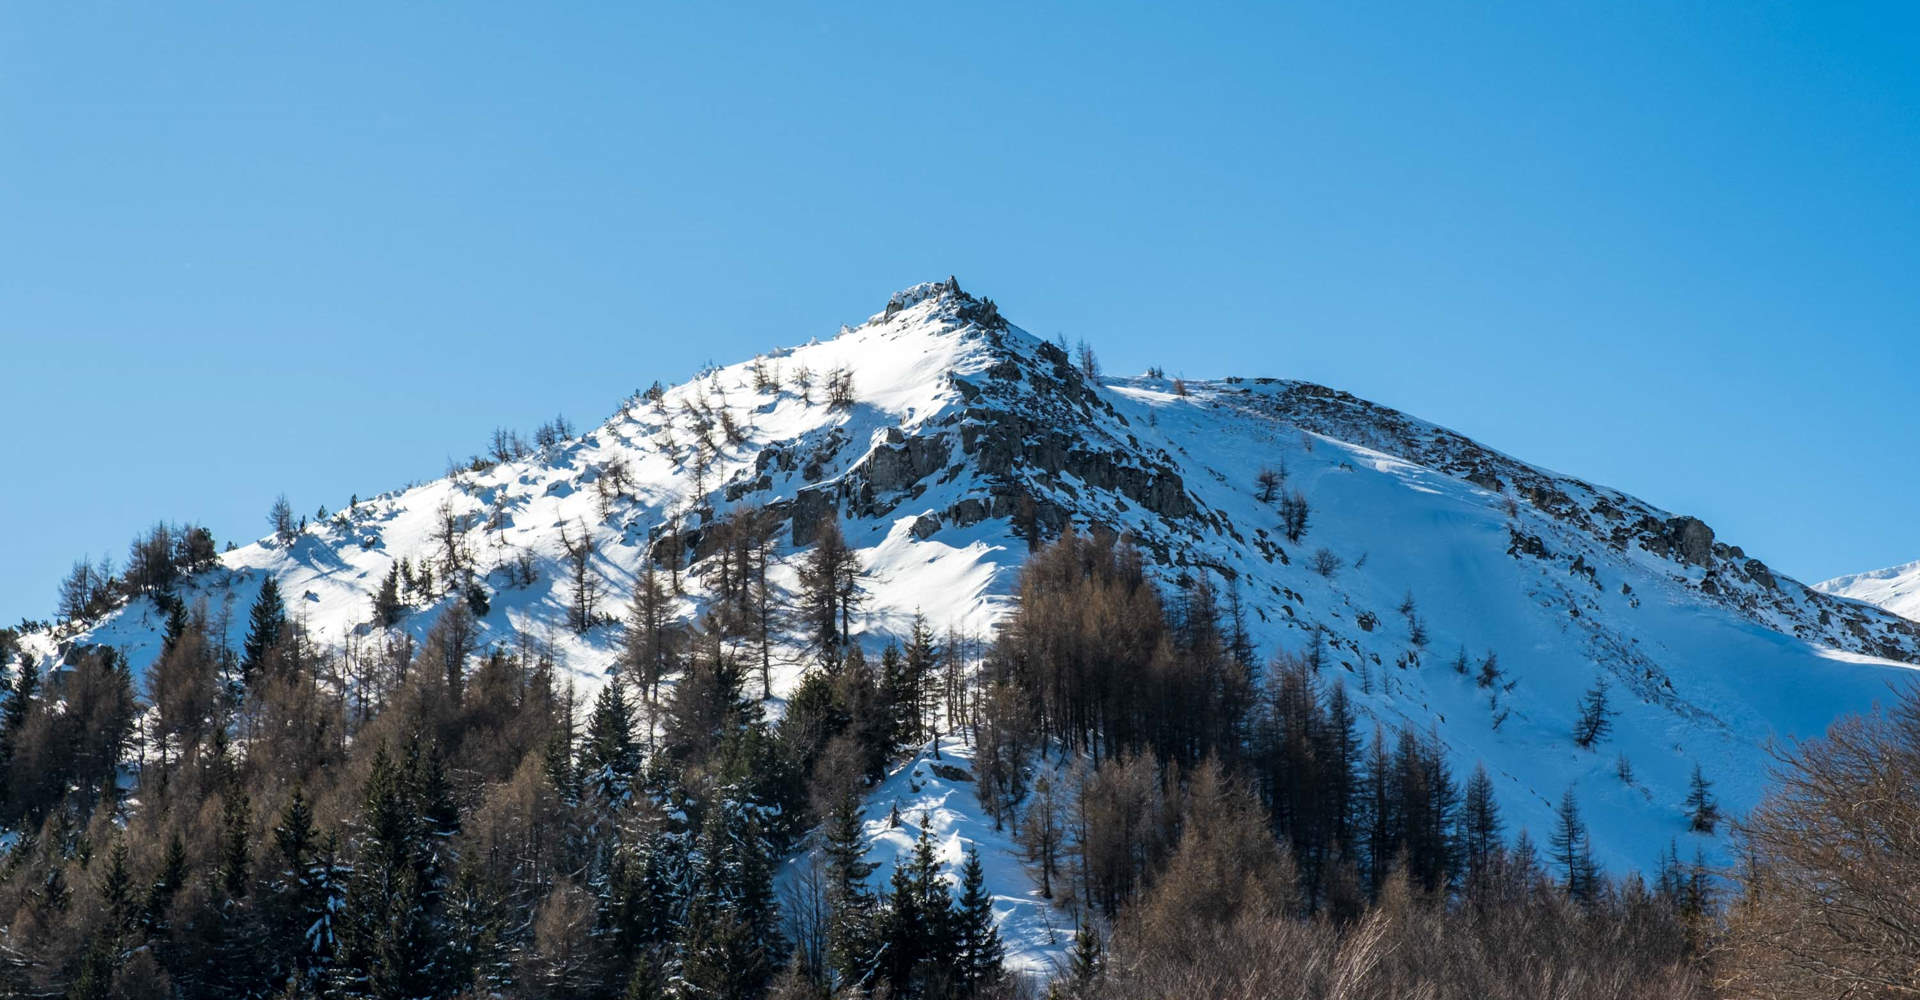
(1829, 862)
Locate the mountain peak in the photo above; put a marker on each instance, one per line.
(943, 299)
(947, 444)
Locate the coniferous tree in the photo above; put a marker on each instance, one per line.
(177, 618)
(919, 933)
(730, 943)
(1573, 851)
(1489, 670)
(1596, 717)
(829, 591)
(1378, 809)
(388, 609)
(280, 518)
(1340, 747)
(236, 845)
(1480, 824)
(851, 931)
(899, 717)
(390, 941)
(1084, 965)
(266, 626)
(584, 598)
(919, 692)
(77, 592)
(158, 915)
(610, 756)
(1043, 832)
(449, 644)
(650, 641)
(297, 902)
(117, 890)
(977, 962)
(1703, 813)
(1268, 483)
(19, 708)
(1294, 512)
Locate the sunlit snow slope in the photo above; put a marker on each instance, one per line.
(1896, 588)
(964, 429)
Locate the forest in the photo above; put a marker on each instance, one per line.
(437, 819)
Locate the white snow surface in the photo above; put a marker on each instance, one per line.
(1896, 588)
(938, 794)
(958, 414)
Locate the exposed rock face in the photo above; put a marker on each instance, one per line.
(1027, 426)
(1029, 422)
(901, 463)
(1691, 539)
(810, 507)
(969, 511)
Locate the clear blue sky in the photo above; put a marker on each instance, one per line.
(253, 248)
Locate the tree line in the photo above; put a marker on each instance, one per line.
(442, 819)
(446, 819)
(1202, 813)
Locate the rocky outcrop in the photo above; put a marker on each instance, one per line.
(810, 507)
(901, 461)
(1691, 540)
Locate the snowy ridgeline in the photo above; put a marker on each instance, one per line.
(941, 437)
(1896, 588)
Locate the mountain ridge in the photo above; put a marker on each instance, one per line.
(1895, 588)
(946, 440)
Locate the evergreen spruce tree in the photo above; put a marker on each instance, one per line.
(638, 897)
(1703, 813)
(920, 694)
(609, 756)
(14, 716)
(850, 903)
(266, 624)
(730, 942)
(921, 943)
(97, 964)
(898, 710)
(388, 609)
(1489, 670)
(979, 953)
(477, 924)
(1083, 966)
(236, 845)
(177, 621)
(390, 941)
(172, 877)
(296, 899)
(117, 891)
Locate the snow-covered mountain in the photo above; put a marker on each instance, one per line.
(1896, 588)
(961, 432)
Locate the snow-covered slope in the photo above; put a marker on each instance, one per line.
(963, 430)
(1896, 588)
(937, 794)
